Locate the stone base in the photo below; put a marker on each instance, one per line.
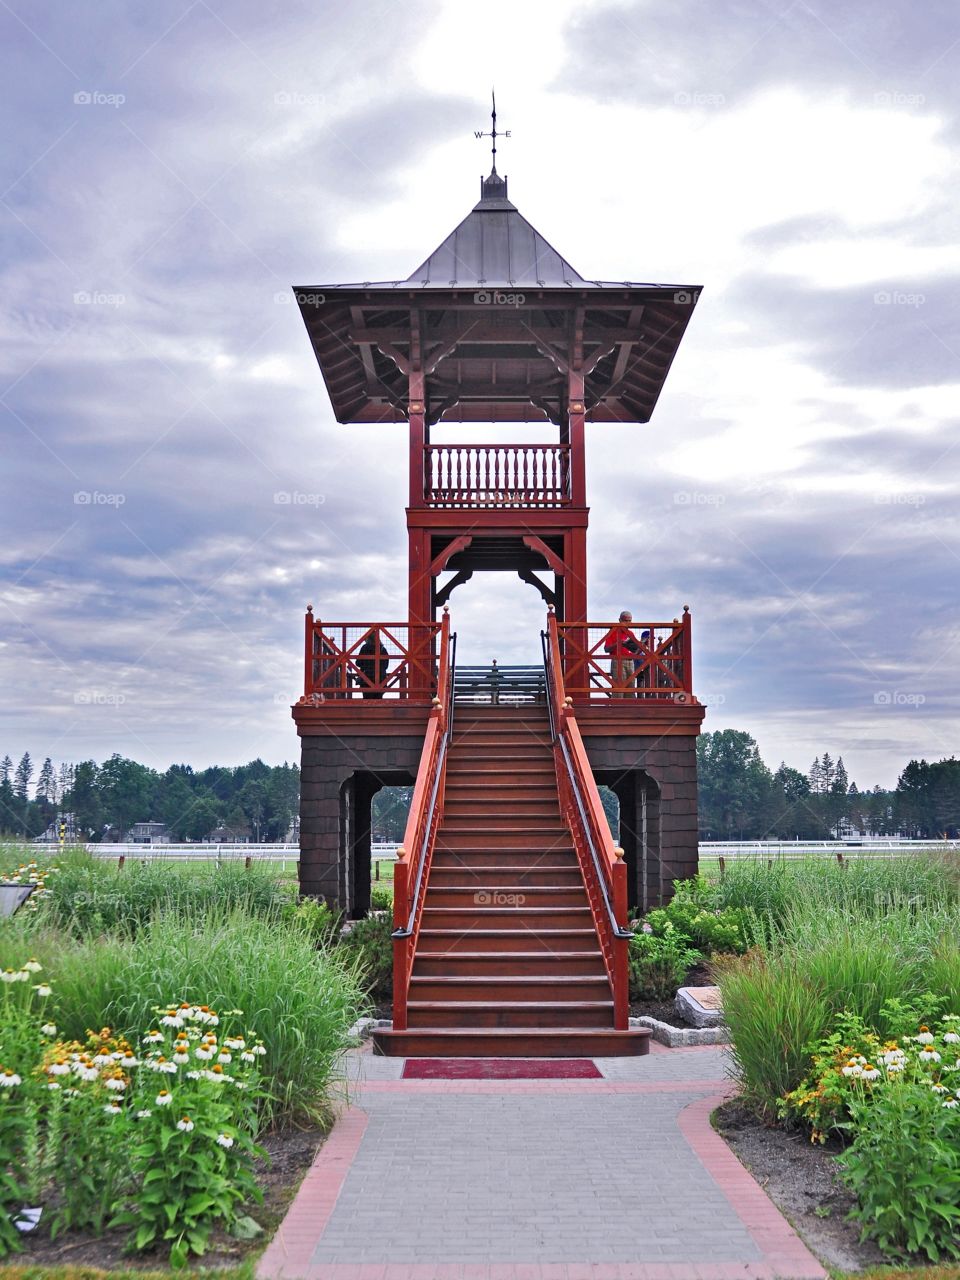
(700, 1006)
(682, 1037)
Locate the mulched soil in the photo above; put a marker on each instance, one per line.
(290, 1155)
(800, 1178)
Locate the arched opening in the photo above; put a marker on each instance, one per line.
(498, 616)
(638, 831)
(357, 796)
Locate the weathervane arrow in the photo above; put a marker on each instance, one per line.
(492, 133)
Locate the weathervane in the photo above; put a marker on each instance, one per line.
(492, 132)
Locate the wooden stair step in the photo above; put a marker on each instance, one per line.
(525, 1042)
(482, 897)
(462, 874)
(513, 988)
(486, 964)
(554, 940)
(520, 917)
(502, 1013)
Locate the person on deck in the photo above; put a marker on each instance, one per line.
(622, 646)
(372, 665)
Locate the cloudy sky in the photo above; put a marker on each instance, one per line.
(170, 170)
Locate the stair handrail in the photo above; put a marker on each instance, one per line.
(415, 854)
(605, 873)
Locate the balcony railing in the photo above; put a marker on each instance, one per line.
(649, 660)
(497, 475)
(372, 660)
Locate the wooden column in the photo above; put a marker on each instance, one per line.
(575, 417)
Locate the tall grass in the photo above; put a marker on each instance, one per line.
(89, 896)
(301, 1001)
(826, 939)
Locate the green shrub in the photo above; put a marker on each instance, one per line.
(658, 964)
(319, 921)
(903, 1166)
(694, 913)
(369, 944)
(381, 898)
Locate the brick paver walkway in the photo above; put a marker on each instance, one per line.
(620, 1178)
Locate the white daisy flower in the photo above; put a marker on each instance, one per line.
(951, 1037)
(225, 1140)
(116, 1083)
(43, 990)
(163, 1065)
(181, 1059)
(195, 1075)
(85, 1073)
(33, 966)
(9, 1079)
(853, 1069)
(929, 1054)
(225, 1059)
(171, 1019)
(153, 1037)
(259, 1049)
(112, 1109)
(142, 1115)
(204, 1053)
(163, 1098)
(951, 1103)
(247, 1056)
(234, 1042)
(869, 1073)
(925, 1036)
(48, 1029)
(9, 975)
(59, 1068)
(53, 1086)
(185, 1125)
(103, 1060)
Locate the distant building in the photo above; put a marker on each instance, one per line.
(71, 833)
(240, 834)
(148, 833)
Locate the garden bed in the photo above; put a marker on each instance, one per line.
(291, 1153)
(800, 1177)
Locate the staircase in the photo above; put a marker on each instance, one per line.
(507, 962)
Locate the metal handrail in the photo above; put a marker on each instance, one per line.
(618, 930)
(407, 930)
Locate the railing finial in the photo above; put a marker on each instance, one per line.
(617, 852)
(550, 609)
(309, 608)
(446, 608)
(686, 608)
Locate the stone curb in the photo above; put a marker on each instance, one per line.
(364, 1028)
(680, 1037)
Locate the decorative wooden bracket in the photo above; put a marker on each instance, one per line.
(553, 560)
(458, 544)
(527, 575)
(441, 597)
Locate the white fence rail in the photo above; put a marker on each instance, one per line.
(793, 850)
(220, 852)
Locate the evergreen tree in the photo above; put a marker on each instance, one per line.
(47, 783)
(21, 779)
(6, 768)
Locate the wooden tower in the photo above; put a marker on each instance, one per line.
(494, 327)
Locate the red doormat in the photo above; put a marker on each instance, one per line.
(500, 1069)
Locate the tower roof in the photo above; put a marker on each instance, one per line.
(493, 317)
(494, 245)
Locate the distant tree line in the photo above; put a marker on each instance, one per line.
(741, 798)
(120, 792)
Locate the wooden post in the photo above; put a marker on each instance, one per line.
(723, 865)
(308, 652)
(121, 861)
(575, 418)
(840, 858)
(687, 651)
(247, 861)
